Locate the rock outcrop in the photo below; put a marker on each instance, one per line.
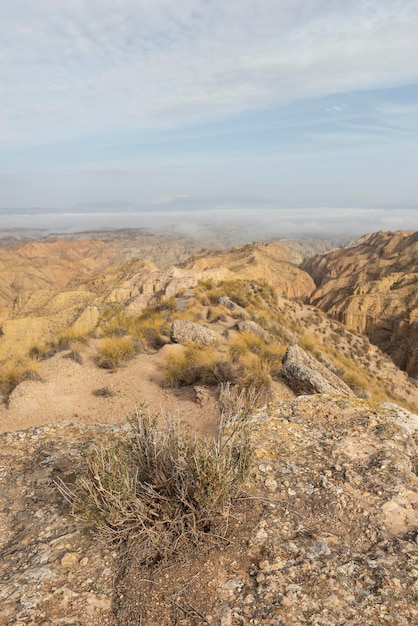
(328, 534)
(186, 332)
(372, 287)
(248, 326)
(304, 374)
(51, 572)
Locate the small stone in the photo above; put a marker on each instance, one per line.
(249, 599)
(270, 484)
(84, 561)
(70, 559)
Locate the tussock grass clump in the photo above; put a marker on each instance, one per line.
(195, 364)
(74, 355)
(217, 313)
(250, 362)
(248, 294)
(14, 373)
(114, 351)
(257, 359)
(164, 487)
(69, 339)
(38, 352)
(151, 326)
(115, 323)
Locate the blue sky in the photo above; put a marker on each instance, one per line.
(302, 104)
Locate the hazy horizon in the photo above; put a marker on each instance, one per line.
(249, 223)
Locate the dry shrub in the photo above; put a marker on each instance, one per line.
(104, 392)
(14, 373)
(114, 351)
(217, 313)
(167, 489)
(239, 402)
(74, 355)
(195, 364)
(69, 338)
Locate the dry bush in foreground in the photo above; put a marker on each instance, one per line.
(163, 487)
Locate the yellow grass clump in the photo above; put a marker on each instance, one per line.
(13, 373)
(194, 364)
(114, 351)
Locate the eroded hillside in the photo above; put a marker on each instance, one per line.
(50, 287)
(322, 530)
(372, 287)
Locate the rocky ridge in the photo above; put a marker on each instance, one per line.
(333, 536)
(36, 310)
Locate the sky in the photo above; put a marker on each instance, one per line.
(304, 108)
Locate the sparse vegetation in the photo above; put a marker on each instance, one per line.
(195, 364)
(253, 295)
(150, 327)
(38, 352)
(75, 356)
(114, 351)
(104, 392)
(165, 487)
(14, 373)
(69, 339)
(250, 361)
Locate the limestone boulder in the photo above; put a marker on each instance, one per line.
(248, 326)
(306, 375)
(186, 332)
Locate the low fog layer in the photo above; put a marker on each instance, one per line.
(250, 224)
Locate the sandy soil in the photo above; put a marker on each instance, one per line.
(67, 393)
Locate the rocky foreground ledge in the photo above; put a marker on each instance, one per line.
(334, 496)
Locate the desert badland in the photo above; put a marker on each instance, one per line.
(307, 353)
